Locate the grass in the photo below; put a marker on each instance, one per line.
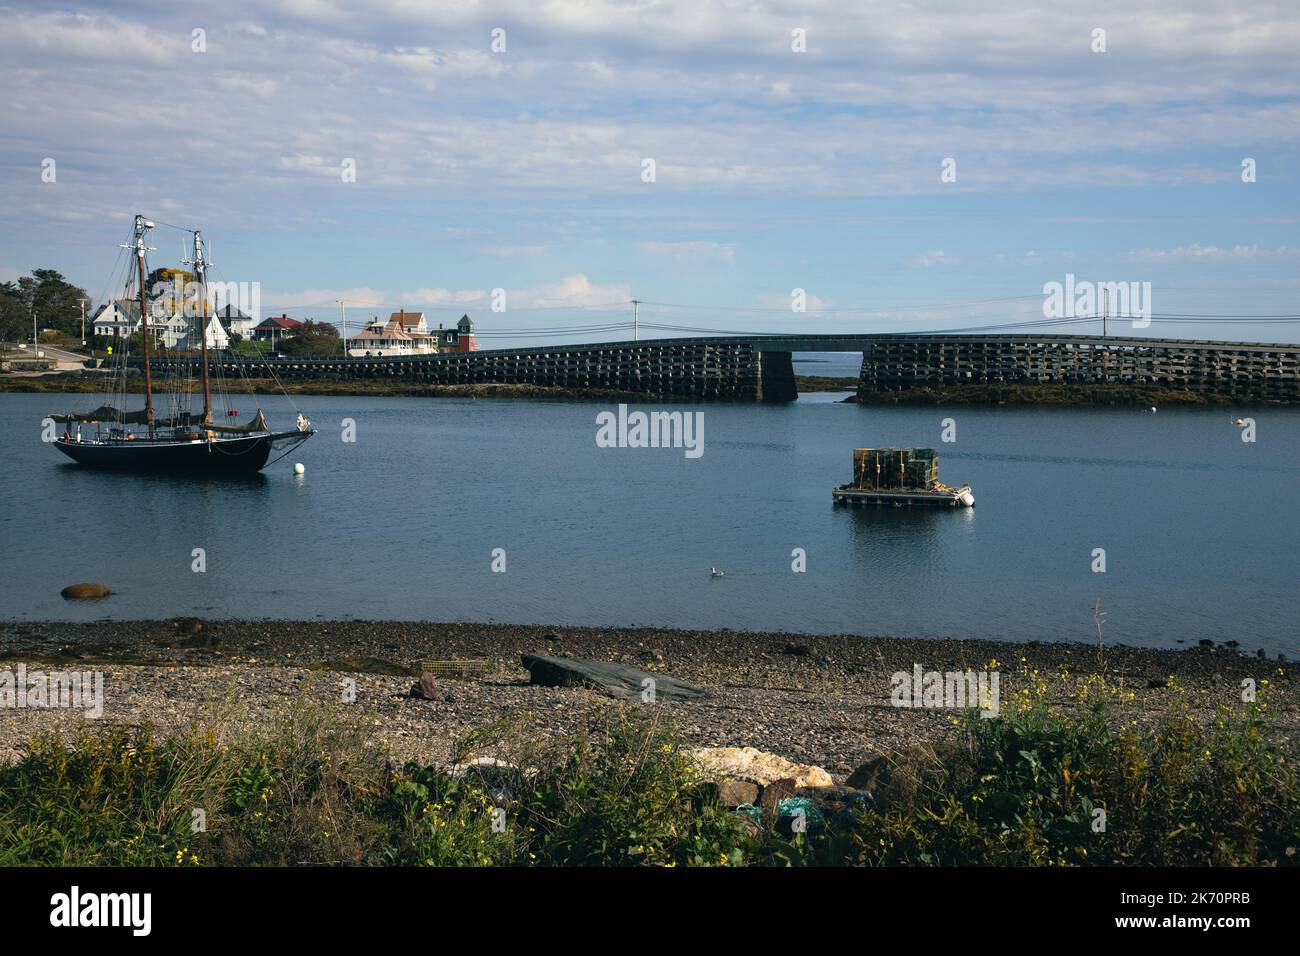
(1036, 786)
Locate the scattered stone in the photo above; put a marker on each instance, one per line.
(187, 625)
(749, 763)
(426, 688)
(733, 793)
(798, 650)
(618, 680)
(1260, 653)
(1205, 642)
(867, 775)
(773, 794)
(897, 778)
(86, 592)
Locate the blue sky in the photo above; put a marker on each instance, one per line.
(522, 169)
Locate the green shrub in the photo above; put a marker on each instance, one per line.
(1037, 786)
(632, 798)
(1024, 788)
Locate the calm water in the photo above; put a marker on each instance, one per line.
(1199, 528)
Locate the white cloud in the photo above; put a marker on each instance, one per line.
(515, 252)
(1198, 252)
(691, 251)
(358, 297)
(933, 257)
(576, 290)
(437, 297)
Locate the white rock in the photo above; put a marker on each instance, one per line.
(750, 763)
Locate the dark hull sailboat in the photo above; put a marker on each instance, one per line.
(185, 444)
(197, 456)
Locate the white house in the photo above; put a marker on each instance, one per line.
(240, 323)
(169, 331)
(405, 333)
(121, 319)
(118, 318)
(215, 334)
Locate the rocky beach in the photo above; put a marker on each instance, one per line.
(819, 700)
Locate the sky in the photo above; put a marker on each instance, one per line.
(909, 166)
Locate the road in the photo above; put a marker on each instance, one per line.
(60, 357)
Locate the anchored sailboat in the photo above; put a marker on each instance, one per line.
(179, 443)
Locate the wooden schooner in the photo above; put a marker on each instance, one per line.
(179, 443)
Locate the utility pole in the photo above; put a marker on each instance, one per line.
(636, 310)
(344, 323)
(1105, 310)
(83, 321)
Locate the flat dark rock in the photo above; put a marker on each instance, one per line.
(617, 680)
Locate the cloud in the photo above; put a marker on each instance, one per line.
(576, 290)
(522, 169)
(1197, 252)
(358, 297)
(438, 297)
(691, 251)
(812, 303)
(515, 252)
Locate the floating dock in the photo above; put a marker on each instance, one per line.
(946, 498)
(902, 477)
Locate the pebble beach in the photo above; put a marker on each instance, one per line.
(814, 699)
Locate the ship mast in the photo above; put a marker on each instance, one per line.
(143, 225)
(201, 264)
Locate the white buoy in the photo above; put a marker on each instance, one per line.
(1153, 408)
(967, 499)
(298, 469)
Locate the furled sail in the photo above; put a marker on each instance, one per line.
(109, 414)
(105, 413)
(258, 424)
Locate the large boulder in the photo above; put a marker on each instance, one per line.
(617, 680)
(735, 793)
(900, 778)
(750, 763)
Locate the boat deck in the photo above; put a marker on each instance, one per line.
(847, 495)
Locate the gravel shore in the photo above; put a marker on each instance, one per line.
(817, 699)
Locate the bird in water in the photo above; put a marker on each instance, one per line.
(714, 572)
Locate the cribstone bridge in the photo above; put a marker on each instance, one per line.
(758, 368)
